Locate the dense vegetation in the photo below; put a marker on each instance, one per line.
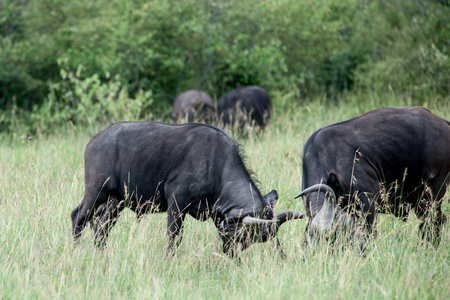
(68, 68)
(41, 181)
(83, 62)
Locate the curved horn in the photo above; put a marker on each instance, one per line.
(256, 221)
(280, 218)
(287, 215)
(317, 187)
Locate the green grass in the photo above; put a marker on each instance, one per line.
(41, 181)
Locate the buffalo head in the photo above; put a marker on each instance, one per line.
(238, 233)
(330, 222)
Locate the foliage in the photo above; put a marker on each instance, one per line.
(306, 47)
(317, 38)
(407, 47)
(89, 101)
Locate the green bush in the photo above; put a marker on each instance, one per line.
(306, 47)
(79, 101)
(318, 43)
(407, 45)
(89, 102)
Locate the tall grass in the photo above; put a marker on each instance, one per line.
(41, 181)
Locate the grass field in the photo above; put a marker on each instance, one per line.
(41, 181)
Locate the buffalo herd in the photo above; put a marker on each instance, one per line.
(392, 160)
(239, 109)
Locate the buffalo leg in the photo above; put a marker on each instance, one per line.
(430, 212)
(232, 248)
(105, 218)
(280, 249)
(366, 203)
(174, 226)
(84, 212)
(432, 219)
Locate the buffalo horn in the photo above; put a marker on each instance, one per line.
(279, 219)
(287, 215)
(257, 221)
(317, 187)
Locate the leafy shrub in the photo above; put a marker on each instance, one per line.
(407, 45)
(89, 102)
(306, 47)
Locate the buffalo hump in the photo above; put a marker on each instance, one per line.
(246, 105)
(193, 106)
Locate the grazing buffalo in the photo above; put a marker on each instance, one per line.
(246, 105)
(388, 160)
(193, 169)
(193, 105)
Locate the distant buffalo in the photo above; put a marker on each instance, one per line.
(389, 160)
(246, 105)
(193, 106)
(191, 169)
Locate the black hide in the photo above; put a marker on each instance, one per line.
(193, 169)
(404, 152)
(192, 106)
(245, 105)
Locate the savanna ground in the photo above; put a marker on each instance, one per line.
(41, 181)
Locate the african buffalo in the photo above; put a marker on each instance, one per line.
(193, 105)
(387, 160)
(246, 105)
(193, 169)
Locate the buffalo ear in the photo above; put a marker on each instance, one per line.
(271, 198)
(334, 182)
